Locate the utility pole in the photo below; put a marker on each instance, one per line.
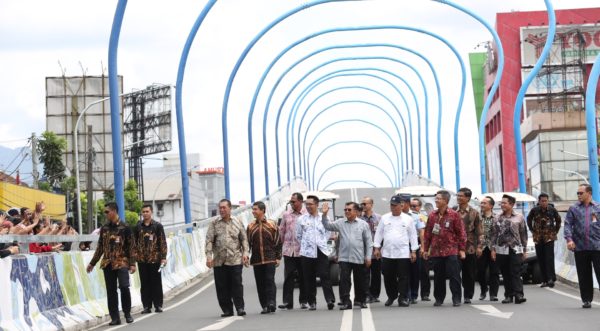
(34, 160)
(90, 185)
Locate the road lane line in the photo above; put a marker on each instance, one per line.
(367, 319)
(493, 311)
(209, 284)
(346, 320)
(570, 295)
(221, 324)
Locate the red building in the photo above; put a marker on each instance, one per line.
(554, 101)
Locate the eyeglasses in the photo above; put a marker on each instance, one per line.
(348, 209)
(364, 204)
(309, 204)
(579, 193)
(107, 211)
(414, 206)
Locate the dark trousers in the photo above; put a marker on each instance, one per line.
(584, 261)
(311, 268)
(545, 256)
(228, 283)
(373, 279)
(510, 266)
(485, 265)
(111, 277)
(264, 274)
(424, 275)
(446, 267)
(395, 277)
(151, 285)
(358, 273)
(292, 265)
(415, 277)
(468, 275)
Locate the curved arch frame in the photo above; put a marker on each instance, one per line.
(318, 185)
(348, 181)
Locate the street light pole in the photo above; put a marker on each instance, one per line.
(572, 173)
(154, 206)
(575, 154)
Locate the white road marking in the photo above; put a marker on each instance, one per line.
(346, 320)
(367, 319)
(493, 311)
(209, 284)
(570, 295)
(222, 323)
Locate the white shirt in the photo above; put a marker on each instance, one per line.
(396, 232)
(312, 235)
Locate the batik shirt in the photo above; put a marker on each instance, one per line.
(264, 242)
(226, 242)
(116, 246)
(287, 231)
(373, 222)
(451, 237)
(473, 228)
(582, 226)
(487, 223)
(151, 242)
(543, 224)
(509, 232)
(312, 235)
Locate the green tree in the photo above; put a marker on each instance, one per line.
(133, 205)
(50, 148)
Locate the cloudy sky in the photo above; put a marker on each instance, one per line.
(38, 38)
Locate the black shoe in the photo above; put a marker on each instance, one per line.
(437, 303)
(287, 306)
(467, 301)
(456, 304)
(265, 310)
(363, 305)
(346, 306)
(375, 300)
(369, 299)
(158, 310)
(389, 302)
(128, 318)
(507, 300)
(303, 305)
(146, 311)
(425, 299)
(341, 304)
(493, 298)
(227, 314)
(357, 303)
(241, 312)
(403, 303)
(482, 296)
(330, 305)
(312, 306)
(413, 301)
(115, 322)
(271, 308)
(520, 299)
(551, 284)
(586, 304)
(544, 284)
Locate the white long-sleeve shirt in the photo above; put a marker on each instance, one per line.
(397, 233)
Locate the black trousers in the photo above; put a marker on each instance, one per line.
(545, 255)
(373, 278)
(469, 275)
(228, 283)
(485, 265)
(358, 272)
(584, 261)
(510, 266)
(111, 278)
(395, 277)
(415, 277)
(424, 275)
(292, 265)
(311, 268)
(446, 267)
(151, 285)
(264, 274)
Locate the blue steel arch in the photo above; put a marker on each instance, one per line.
(351, 142)
(311, 179)
(590, 125)
(348, 181)
(353, 163)
(523, 89)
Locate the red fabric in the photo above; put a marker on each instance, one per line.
(451, 238)
(39, 248)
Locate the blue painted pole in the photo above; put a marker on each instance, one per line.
(115, 107)
(179, 111)
(590, 125)
(523, 89)
(318, 186)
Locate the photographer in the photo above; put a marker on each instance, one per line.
(5, 227)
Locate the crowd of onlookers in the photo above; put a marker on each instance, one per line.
(25, 221)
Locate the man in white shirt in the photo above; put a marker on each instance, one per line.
(398, 234)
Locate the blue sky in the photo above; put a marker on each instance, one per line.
(38, 35)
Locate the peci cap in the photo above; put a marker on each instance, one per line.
(395, 200)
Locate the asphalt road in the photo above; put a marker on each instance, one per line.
(545, 309)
